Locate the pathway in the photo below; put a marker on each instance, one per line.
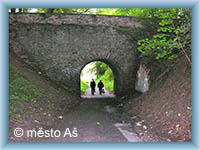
(88, 94)
(97, 120)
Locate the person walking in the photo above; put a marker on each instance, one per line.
(100, 86)
(92, 86)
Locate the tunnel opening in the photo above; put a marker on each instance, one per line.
(97, 80)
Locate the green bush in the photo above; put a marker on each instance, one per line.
(84, 86)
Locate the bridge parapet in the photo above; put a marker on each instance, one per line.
(59, 19)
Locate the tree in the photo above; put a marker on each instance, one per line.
(99, 68)
(173, 36)
(20, 10)
(13, 10)
(65, 10)
(50, 10)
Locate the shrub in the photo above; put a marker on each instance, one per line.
(84, 86)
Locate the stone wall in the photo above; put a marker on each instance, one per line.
(61, 45)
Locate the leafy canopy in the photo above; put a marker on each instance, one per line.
(173, 37)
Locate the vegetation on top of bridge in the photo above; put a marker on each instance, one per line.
(173, 36)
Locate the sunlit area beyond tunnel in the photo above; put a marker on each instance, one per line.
(97, 81)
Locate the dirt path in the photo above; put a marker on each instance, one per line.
(96, 120)
(88, 94)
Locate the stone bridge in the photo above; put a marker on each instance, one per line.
(60, 45)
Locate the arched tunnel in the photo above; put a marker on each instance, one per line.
(90, 72)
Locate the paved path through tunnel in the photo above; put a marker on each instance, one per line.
(97, 120)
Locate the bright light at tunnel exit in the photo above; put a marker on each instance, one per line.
(86, 75)
(97, 70)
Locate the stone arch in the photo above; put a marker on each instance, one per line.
(61, 48)
(112, 67)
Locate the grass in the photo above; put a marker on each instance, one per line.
(21, 91)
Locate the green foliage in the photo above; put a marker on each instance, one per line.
(173, 37)
(42, 10)
(21, 91)
(66, 10)
(18, 115)
(84, 86)
(108, 80)
(106, 11)
(99, 68)
(135, 12)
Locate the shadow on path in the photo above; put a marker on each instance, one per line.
(97, 121)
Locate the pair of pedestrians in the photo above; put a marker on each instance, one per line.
(93, 85)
